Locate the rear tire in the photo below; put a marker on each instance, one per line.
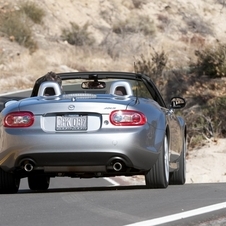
(179, 177)
(158, 176)
(38, 183)
(9, 183)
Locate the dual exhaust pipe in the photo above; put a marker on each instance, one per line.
(117, 165)
(28, 165)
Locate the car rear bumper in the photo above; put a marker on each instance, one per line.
(89, 152)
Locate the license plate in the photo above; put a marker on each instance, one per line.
(71, 123)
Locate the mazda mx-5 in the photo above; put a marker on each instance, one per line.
(97, 124)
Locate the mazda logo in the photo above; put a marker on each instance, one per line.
(71, 107)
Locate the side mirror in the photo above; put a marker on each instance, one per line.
(177, 102)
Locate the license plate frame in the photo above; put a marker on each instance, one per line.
(71, 123)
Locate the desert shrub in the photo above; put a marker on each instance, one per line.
(196, 122)
(206, 122)
(153, 65)
(199, 128)
(113, 45)
(105, 15)
(216, 112)
(222, 2)
(33, 11)
(197, 25)
(77, 35)
(2, 57)
(195, 141)
(163, 18)
(138, 3)
(211, 61)
(14, 24)
(135, 24)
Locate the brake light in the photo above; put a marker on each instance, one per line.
(19, 119)
(127, 118)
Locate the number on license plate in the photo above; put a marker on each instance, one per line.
(71, 122)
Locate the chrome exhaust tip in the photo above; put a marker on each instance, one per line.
(117, 166)
(28, 167)
(27, 164)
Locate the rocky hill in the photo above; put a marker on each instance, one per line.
(121, 30)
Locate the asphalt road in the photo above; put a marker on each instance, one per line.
(98, 202)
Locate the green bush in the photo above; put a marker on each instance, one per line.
(78, 36)
(212, 61)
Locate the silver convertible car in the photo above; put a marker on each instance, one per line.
(98, 124)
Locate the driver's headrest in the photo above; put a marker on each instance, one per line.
(49, 88)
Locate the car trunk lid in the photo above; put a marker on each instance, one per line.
(80, 113)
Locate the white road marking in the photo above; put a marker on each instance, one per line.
(179, 216)
(14, 92)
(111, 181)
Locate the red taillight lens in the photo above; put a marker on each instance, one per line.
(127, 118)
(19, 119)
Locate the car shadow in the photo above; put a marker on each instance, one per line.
(84, 189)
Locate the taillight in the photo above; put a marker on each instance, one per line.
(18, 119)
(127, 118)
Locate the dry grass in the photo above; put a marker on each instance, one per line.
(16, 23)
(33, 11)
(140, 24)
(23, 72)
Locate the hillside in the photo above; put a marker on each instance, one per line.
(122, 30)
